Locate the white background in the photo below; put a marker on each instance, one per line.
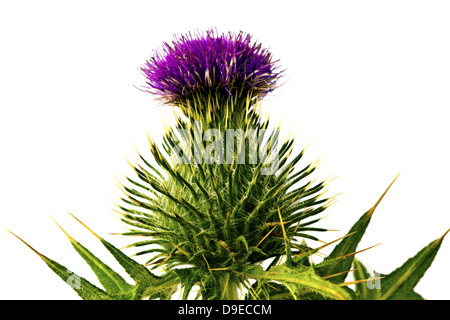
(366, 84)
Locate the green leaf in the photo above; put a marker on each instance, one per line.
(147, 284)
(85, 289)
(399, 284)
(349, 244)
(111, 281)
(299, 280)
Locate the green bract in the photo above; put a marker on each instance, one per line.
(222, 207)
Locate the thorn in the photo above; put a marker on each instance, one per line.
(121, 184)
(329, 180)
(354, 253)
(358, 281)
(282, 225)
(323, 192)
(68, 236)
(337, 274)
(115, 204)
(132, 166)
(327, 244)
(266, 236)
(318, 161)
(96, 235)
(326, 216)
(311, 252)
(150, 140)
(332, 200)
(117, 216)
(34, 250)
(372, 210)
(133, 245)
(307, 145)
(137, 151)
(443, 236)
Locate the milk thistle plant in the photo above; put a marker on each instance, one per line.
(221, 209)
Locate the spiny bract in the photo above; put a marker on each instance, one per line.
(221, 208)
(217, 209)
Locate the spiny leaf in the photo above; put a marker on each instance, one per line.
(349, 244)
(85, 289)
(147, 283)
(299, 279)
(401, 282)
(111, 281)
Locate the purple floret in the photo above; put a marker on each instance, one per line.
(228, 63)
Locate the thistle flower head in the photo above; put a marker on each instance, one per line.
(225, 64)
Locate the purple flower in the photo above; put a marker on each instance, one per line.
(227, 64)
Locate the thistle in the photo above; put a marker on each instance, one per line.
(222, 209)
